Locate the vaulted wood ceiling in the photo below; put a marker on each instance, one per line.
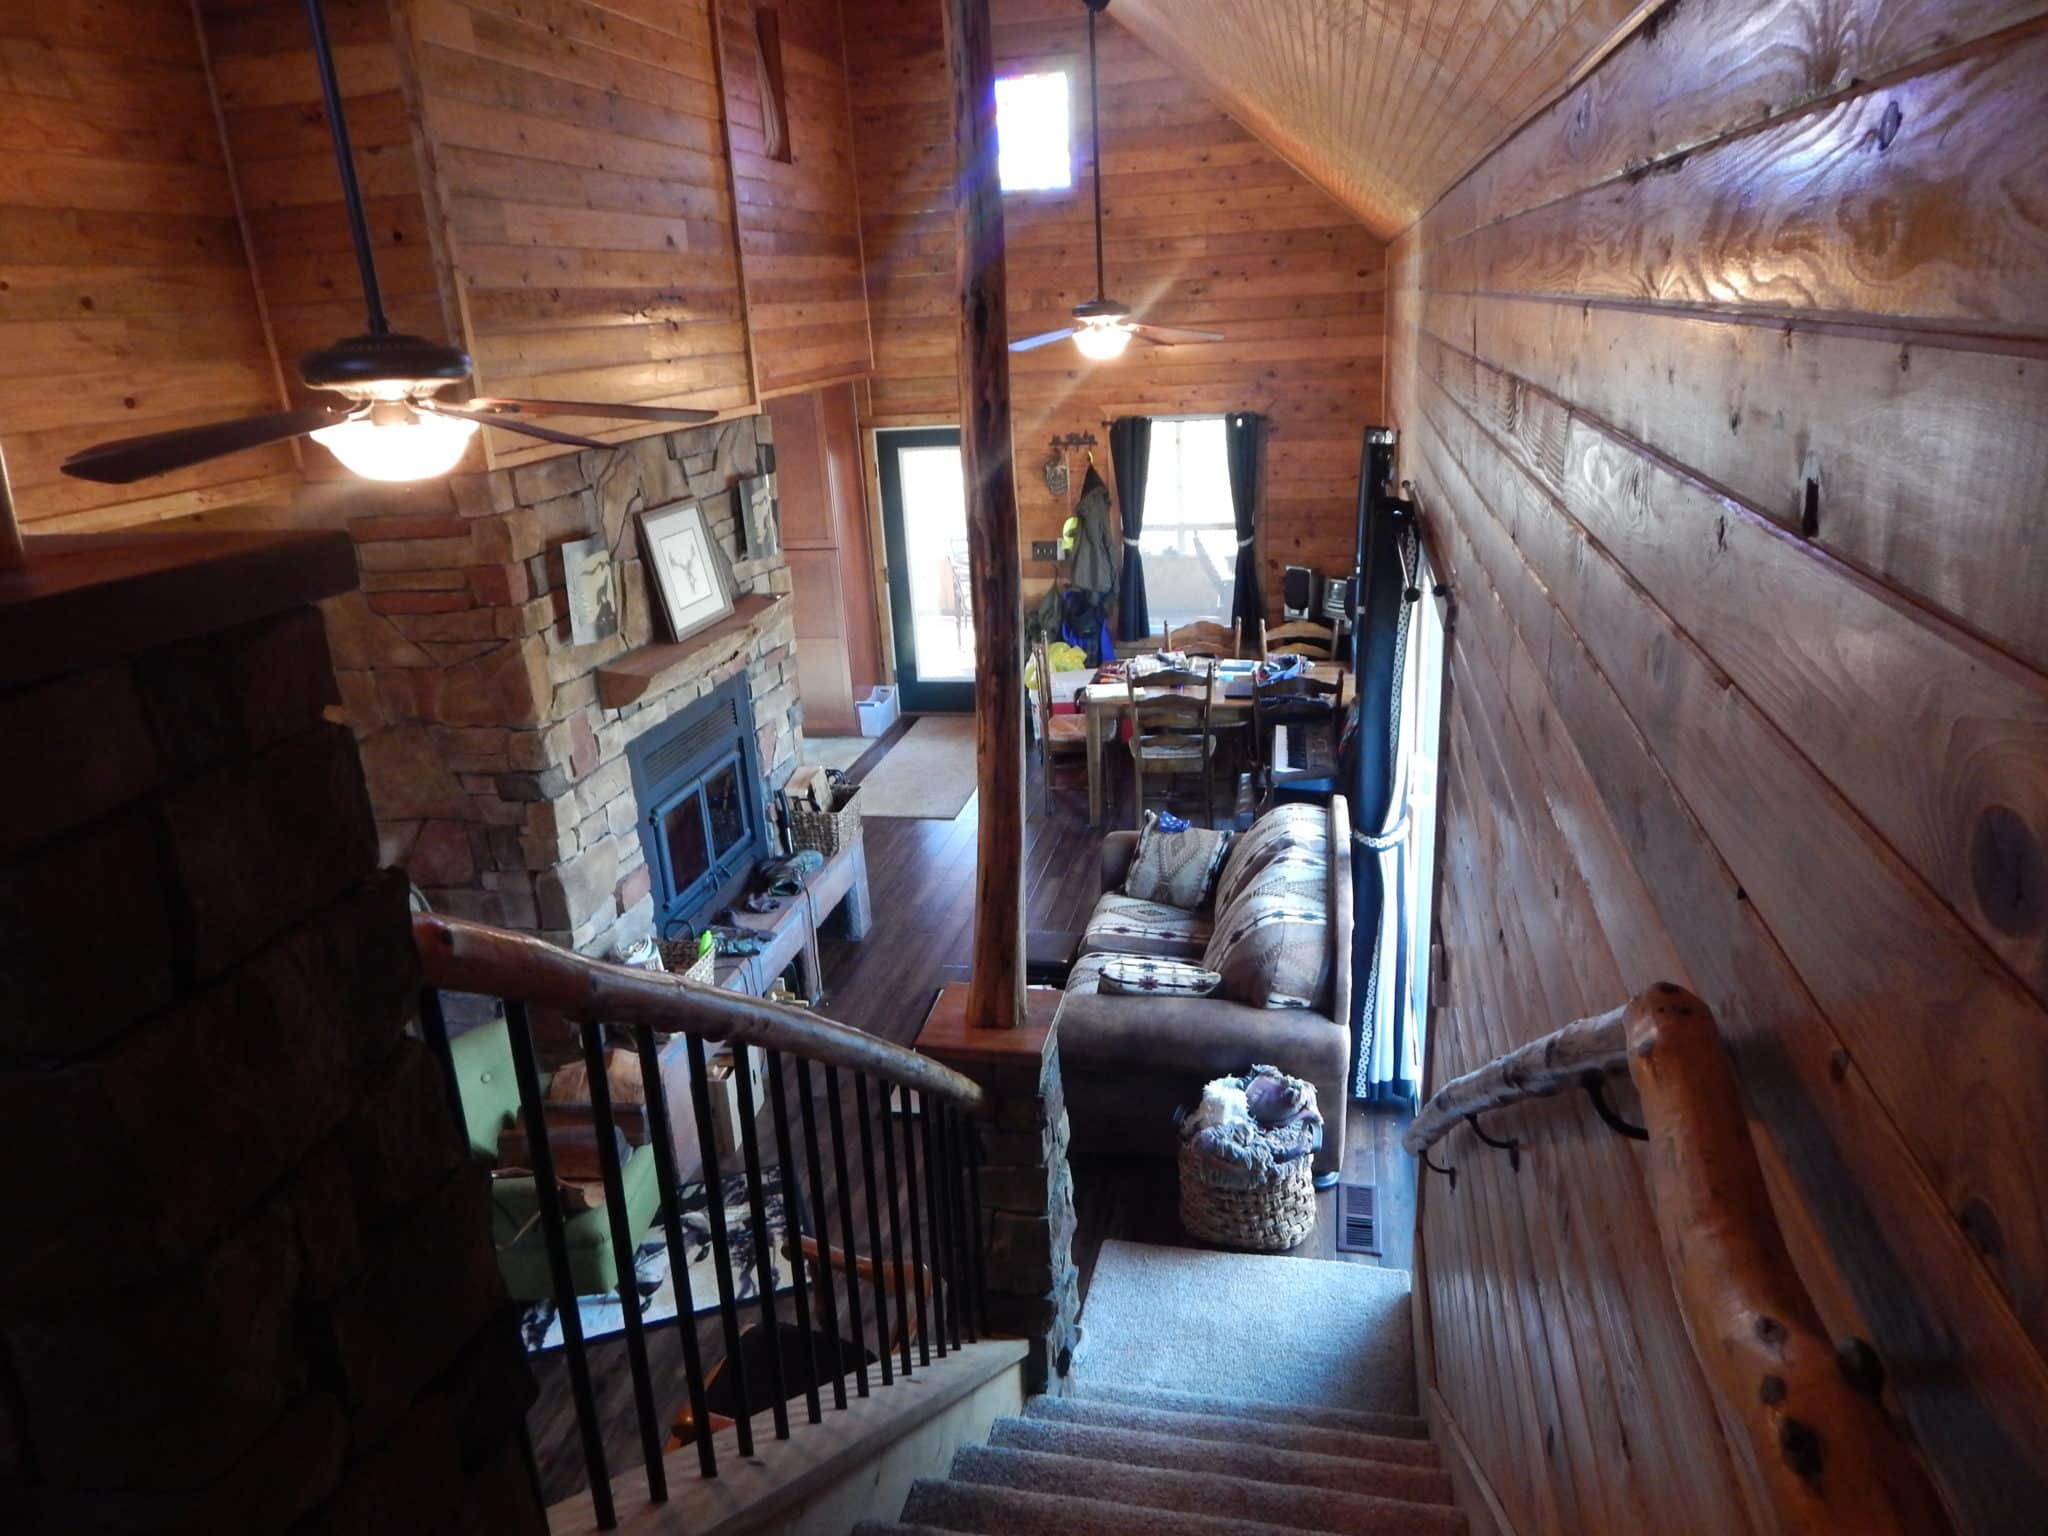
(1384, 102)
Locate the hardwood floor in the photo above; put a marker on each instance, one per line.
(921, 883)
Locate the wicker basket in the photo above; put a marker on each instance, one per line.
(1270, 1217)
(679, 956)
(827, 831)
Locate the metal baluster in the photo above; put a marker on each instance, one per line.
(963, 1236)
(904, 1280)
(661, 1129)
(860, 1327)
(792, 1221)
(519, 1035)
(821, 1224)
(978, 1255)
(875, 1254)
(916, 1214)
(764, 1245)
(434, 1030)
(935, 1190)
(721, 1250)
(624, 1249)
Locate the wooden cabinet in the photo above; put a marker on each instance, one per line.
(825, 533)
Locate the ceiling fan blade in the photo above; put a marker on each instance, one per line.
(676, 413)
(1169, 335)
(1043, 339)
(514, 424)
(137, 458)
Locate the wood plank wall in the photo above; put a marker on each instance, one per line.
(283, 165)
(1724, 390)
(125, 300)
(580, 163)
(1206, 227)
(799, 219)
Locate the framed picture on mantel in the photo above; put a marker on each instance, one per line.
(689, 567)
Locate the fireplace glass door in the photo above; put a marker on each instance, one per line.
(705, 833)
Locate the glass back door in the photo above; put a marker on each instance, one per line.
(924, 527)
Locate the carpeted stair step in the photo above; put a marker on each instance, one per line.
(1227, 1498)
(990, 1511)
(1403, 1425)
(895, 1528)
(1209, 1426)
(1261, 1463)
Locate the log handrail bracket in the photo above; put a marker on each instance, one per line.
(1832, 1460)
(462, 956)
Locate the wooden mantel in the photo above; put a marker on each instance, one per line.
(655, 668)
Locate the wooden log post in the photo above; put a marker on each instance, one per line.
(996, 987)
(13, 556)
(1830, 1457)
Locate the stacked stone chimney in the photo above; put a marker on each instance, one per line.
(500, 780)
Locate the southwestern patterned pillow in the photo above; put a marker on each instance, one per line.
(1149, 976)
(1284, 830)
(1272, 952)
(1176, 863)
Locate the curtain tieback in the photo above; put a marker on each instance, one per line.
(1247, 541)
(1385, 840)
(1133, 543)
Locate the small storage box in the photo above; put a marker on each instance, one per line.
(877, 711)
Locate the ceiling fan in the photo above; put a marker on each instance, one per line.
(1106, 326)
(389, 423)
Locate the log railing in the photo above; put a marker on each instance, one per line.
(1832, 1460)
(913, 1110)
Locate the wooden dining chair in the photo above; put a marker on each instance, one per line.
(1205, 637)
(1058, 735)
(1309, 711)
(1171, 732)
(1301, 637)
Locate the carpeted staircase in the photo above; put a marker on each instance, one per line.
(1117, 1460)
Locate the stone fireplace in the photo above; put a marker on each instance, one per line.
(497, 749)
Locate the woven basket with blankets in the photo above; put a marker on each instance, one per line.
(1246, 1152)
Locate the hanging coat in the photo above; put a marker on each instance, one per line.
(1094, 542)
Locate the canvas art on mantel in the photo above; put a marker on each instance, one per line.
(689, 568)
(587, 575)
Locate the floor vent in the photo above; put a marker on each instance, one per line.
(1358, 1228)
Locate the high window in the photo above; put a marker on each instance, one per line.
(1189, 539)
(1034, 133)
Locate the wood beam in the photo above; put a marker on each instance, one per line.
(996, 989)
(12, 556)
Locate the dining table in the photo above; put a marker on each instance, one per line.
(1106, 702)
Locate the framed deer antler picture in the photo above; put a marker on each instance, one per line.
(689, 567)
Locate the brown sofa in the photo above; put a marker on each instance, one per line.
(1128, 1062)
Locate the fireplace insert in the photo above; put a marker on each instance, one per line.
(703, 821)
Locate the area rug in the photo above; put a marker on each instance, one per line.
(929, 773)
(834, 751)
(541, 1329)
(1311, 1331)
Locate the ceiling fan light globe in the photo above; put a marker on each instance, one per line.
(413, 445)
(1101, 342)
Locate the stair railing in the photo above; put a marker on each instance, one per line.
(938, 1159)
(1832, 1460)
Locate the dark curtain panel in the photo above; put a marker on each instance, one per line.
(1378, 818)
(1244, 438)
(1130, 453)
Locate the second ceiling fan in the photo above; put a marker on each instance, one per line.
(1105, 325)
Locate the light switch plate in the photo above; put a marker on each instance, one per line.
(1045, 549)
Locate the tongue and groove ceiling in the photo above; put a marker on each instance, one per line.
(1384, 103)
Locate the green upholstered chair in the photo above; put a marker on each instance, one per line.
(490, 1098)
